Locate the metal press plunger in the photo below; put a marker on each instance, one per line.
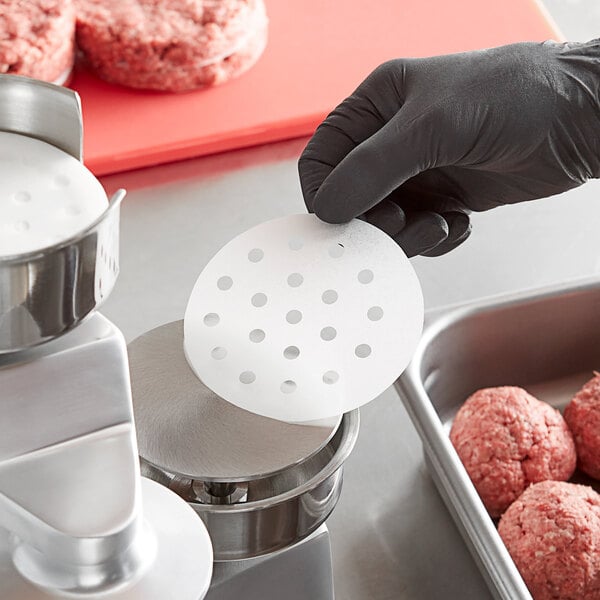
(259, 484)
(76, 518)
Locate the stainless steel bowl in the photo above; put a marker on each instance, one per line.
(45, 293)
(274, 512)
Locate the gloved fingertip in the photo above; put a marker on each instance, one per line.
(387, 216)
(331, 207)
(460, 227)
(458, 223)
(330, 214)
(423, 232)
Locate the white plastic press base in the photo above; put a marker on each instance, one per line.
(182, 567)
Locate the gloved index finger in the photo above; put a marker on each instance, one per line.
(357, 118)
(404, 147)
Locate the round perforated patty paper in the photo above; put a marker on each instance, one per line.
(46, 195)
(299, 320)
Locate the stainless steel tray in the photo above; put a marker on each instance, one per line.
(547, 342)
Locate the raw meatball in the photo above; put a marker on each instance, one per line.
(507, 439)
(583, 418)
(553, 534)
(171, 45)
(37, 38)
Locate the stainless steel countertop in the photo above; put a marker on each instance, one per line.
(391, 533)
(392, 536)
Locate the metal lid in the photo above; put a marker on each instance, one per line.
(186, 429)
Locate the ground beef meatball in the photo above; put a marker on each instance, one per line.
(171, 45)
(507, 439)
(37, 38)
(553, 534)
(583, 418)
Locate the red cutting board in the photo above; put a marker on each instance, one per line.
(318, 52)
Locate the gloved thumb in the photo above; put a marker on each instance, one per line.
(404, 147)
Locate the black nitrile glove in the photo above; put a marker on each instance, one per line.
(422, 142)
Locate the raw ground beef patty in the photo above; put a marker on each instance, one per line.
(507, 439)
(37, 38)
(583, 417)
(171, 45)
(553, 534)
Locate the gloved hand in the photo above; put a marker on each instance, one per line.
(422, 142)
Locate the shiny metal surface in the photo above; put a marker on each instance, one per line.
(71, 518)
(45, 294)
(538, 341)
(186, 429)
(69, 474)
(42, 110)
(172, 541)
(578, 19)
(72, 522)
(280, 510)
(301, 572)
(84, 400)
